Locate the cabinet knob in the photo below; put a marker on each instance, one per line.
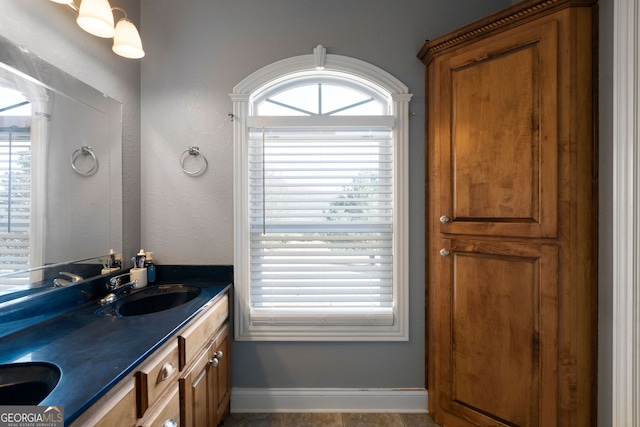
(445, 219)
(218, 354)
(214, 362)
(444, 252)
(170, 423)
(166, 371)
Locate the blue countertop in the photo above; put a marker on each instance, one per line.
(94, 350)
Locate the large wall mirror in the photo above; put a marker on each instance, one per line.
(60, 174)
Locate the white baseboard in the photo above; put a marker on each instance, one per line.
(272, 400)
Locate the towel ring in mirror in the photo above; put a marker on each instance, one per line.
(84, 151)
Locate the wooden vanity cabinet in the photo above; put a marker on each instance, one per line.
(184, 383)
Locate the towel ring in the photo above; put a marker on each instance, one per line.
(85, 151)
(193, 151)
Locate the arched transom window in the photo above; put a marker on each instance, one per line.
(321, 95)
(320, 199)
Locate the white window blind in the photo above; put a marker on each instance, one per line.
(321, 225)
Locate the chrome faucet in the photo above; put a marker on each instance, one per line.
(64, 282)
(114, 284)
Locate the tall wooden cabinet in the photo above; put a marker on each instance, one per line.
(511, 218)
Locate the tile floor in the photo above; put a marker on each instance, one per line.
(329, 420)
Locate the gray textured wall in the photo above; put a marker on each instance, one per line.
(195, 55)
(49, 30)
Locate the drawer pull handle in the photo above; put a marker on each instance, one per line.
(444, 252)
(166, 371)
(214, 362)
(170, 423)
(445, 219)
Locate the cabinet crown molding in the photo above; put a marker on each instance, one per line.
(499, 21)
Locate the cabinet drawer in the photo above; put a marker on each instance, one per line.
(192, 339)
(116, 408)
(156, 376)
(166, 412)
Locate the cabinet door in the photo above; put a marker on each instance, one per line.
(497, 135)
(496, 339)
(221, 373)
(196, 395)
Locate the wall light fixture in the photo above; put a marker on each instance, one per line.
(96, 17)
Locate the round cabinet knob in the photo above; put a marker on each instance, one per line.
(214, 362)
(218, 354)
(444, 252)
(445, 219)
(170, 423)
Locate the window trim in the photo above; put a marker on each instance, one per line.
(259, 83)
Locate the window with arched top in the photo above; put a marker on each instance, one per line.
(321, 203)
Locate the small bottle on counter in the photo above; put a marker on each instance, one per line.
(151, 269)
(139, 259)
(111, 262)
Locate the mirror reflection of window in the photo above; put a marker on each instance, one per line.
(24, 124)
(15, 186)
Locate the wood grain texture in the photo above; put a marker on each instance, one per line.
(117, 407)
(167, 408)
(511, 160)
(221, 374)
(196, 396)
(200, 332)
(152, 379)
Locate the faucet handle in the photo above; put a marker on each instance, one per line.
(114, 282)
(74, 277)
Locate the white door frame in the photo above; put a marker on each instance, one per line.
(626, 212)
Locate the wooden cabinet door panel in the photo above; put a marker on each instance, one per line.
(196, 397)
(499, 135)
(497, 340)
(512, 179)
(221, 374)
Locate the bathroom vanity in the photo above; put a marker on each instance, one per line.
(156, 363)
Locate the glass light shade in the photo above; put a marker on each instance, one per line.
(95, 17)
(63, 1)
(126, 41)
